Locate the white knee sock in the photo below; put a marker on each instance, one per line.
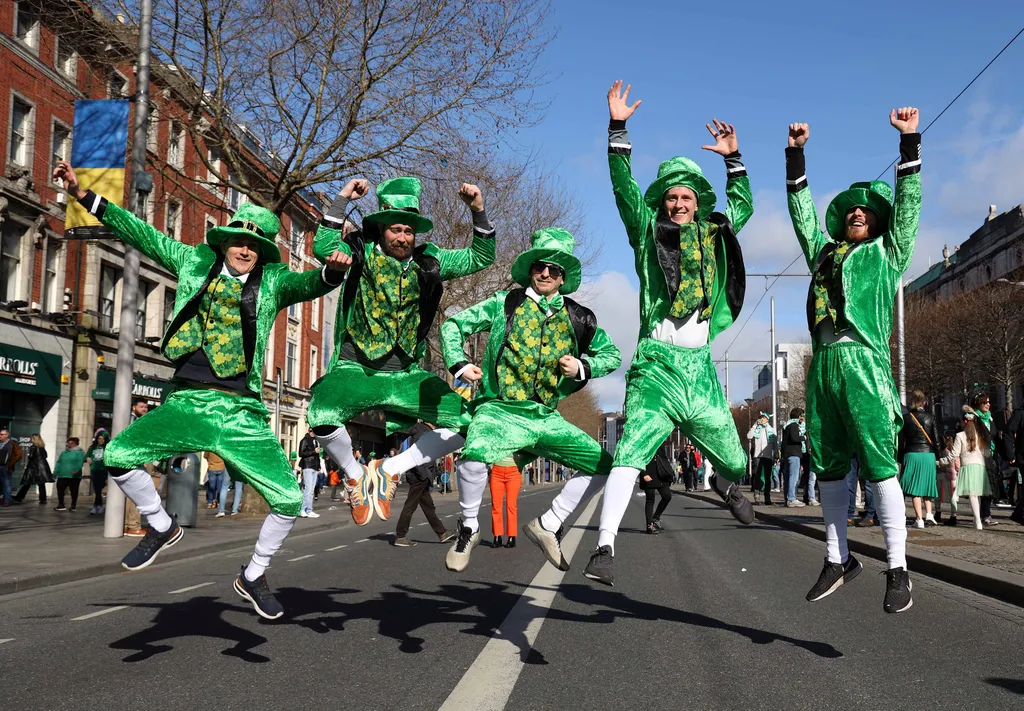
(891, 509)
(275, 530)
(472, 482)
(975, 509)
(339, 446)
(137, 485)
(835, 502)
(617, 492)
(576, 491)
(432, 445)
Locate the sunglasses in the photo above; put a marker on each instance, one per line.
(553, 269)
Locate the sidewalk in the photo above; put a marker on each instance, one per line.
(990, 562)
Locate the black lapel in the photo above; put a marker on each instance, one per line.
(250, 303)
(431, 290)
(736, 273)
(666, 242)
(584, 324)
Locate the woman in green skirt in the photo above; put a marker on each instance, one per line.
(971, 448)
(919, 447)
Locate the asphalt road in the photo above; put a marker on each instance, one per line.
(708, 615)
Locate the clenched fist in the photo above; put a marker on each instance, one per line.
(355, 189)
(471, 374)
(338, 261)
(569, 366)
(472, 196)
(905, 119)
(798, 134)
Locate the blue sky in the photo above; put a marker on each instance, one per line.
(839, 67)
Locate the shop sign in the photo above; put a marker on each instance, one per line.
(29, 371)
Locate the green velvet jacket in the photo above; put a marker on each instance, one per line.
(591, 345)
(278, 286)
(655, 262)
(436, 266)
(871, 270)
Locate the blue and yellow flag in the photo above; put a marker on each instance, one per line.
(98, 154)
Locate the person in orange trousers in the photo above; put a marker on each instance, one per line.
(505, 482)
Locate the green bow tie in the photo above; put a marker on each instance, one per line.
(552, 304)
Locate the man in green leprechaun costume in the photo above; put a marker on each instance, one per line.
(388, 304)
(229, 292)
(542, 347)
(692, 283)
(852, 404)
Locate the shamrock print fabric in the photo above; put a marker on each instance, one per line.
(696, 270)
(216, 328)
(828, 287)
(528, 368)
(386, 313)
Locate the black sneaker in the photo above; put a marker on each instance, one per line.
(897, 591)
(832, 576)
(150, 546)
(652, 530)
(600, 567)
(60, 508)
(739, 505)
(657, 524)
(549, 542)
(951, 521)
(258, 593)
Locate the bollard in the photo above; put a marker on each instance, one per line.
(183, 488)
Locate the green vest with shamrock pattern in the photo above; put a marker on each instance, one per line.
(386, 312)
(696, 270)
(528, 368)
(828, 288)
(216, 328)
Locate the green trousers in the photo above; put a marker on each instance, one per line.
(412, 394)
(852, 408)
(235, 428)
(668, 387)
(500, 428)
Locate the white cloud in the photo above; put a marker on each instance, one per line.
(617, 304)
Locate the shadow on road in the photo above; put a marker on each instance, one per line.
(1014, 686)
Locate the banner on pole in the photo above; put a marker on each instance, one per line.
(98, 151)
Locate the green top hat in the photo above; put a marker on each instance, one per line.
(875, 196)
(252, 221)
(399, 200)
(682, 172)
(553, 245)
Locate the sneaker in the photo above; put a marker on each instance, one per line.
(813, 502)
(72, 509)
(550, 542)
(446, 536)
(135, 532)
(385, 486)
(312, 514)
(101, 509)
(757, 498)
(795, 504)
(658, 525)
(220, 514)
(987, 521)
(258, 593)
(601, 566)
(832, 576)
(93, 511)
(511, 542)
(897, 591)
(60, 508)
(918, 523)
(930, 521)
(359, 499)
(458, 556)
(303, 514)
(651, 530)
(404, 542)
(150, 546)
(739, 505)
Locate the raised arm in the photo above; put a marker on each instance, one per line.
(601, 357)
(801, 206)
(740, 201)
(906, 212)
(296, 287)
(330, 235)
(476, 319)
(127, 227)
(480, 253)
(629, 199)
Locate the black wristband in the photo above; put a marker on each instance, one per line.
(616, 125)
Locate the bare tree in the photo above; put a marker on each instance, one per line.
(582, 409)
(925, 324)
(1000, 333)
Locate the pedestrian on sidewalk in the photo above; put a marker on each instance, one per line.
(10, 455)
(947, 485)
(505, 482)
(794, 445)
(216, 478)
(983, 409)
(420, 479)
(222, 496)
(69, 473)
(657, 479)
(762, 438)
(37, 471)
(309, 463)
(97, 470)
(972, 448)
(919, 445)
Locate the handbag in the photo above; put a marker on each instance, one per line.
(918, 423)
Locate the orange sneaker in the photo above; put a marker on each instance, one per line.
(359, 498)
(384, 488)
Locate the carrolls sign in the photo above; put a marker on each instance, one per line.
(29, 371)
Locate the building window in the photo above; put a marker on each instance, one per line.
(293, 312)
(153, 131)
(26, 23)
(298, 238)
(117, 84)
(51, 285)
(314, 315)
(210, 223)
(149, 207)
(176, 147)
(110, 278)
(235, 198)
(66, 59)
(168, 306)
(314, 365)
(291, 366)
(213, 174)
(145, 289)
(10, 260)
(60, 144)
(22, 132)
(173, 222)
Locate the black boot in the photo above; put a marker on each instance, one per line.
(511, 542)
(497, 542)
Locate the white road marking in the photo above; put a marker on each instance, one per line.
(190, 588)
(449, 515)
(9, 639)
(100, 612)
(422, 524)
(301, 557)
(488, 683)
(362, 540)
(336, 548)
